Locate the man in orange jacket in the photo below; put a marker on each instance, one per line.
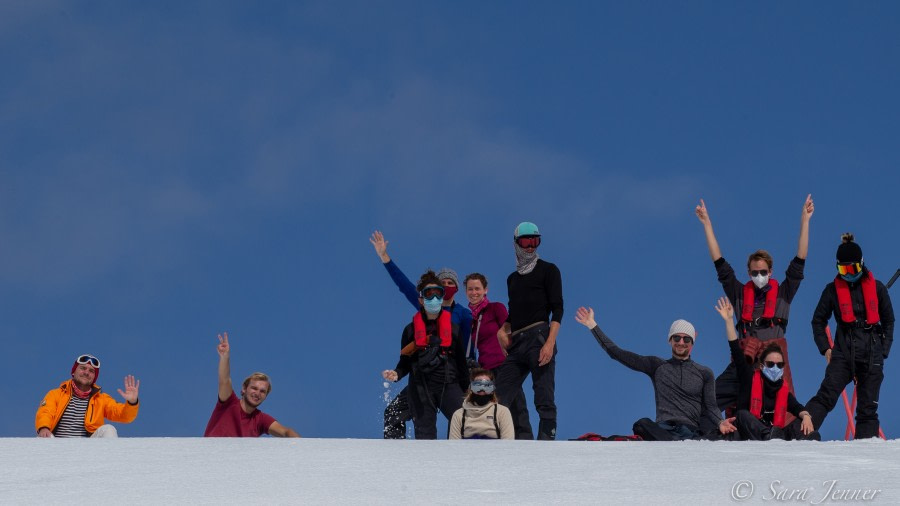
(78, 408)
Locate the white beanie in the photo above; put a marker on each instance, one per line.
(682, 327)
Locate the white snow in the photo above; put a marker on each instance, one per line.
(359, 471)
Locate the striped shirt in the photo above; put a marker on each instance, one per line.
(71, 424)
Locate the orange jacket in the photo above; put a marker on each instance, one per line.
(100, 406)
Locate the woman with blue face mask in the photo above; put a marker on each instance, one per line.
(864, 319)
(433, 355)
(764, 399)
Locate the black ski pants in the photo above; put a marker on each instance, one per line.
(751, 428)
(426, 398)
(650, 430)
(396, 414)
(867, 364)
(522, 360)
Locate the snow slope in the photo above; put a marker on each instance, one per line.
(358, 471)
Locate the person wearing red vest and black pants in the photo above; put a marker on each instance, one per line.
(865, 332)
(764, 399)
(433, 355)
(764, 304)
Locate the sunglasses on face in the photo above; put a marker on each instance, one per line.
(482, 386)
(89, 359)
(432, 292)
(687, 339)
(771, 364)
(528, 241)
(762, 272)
(845, 268)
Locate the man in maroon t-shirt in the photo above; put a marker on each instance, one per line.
(235, 417)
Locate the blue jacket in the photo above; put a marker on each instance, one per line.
(460, 315)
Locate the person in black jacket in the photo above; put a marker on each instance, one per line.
(865, 331)
(529, 334)
(433, 355)
(763, 303)
(764, 399)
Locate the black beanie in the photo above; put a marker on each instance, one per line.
(849, 251)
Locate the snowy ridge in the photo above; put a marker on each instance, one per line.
(358, 471)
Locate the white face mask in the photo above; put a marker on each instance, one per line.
(760, 281)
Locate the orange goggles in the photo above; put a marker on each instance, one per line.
(849, 268)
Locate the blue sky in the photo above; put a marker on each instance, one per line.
(174, 170)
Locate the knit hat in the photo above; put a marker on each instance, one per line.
(96, 369)
(526, 228)
(448, 273)
(849, 251)
(682, 327)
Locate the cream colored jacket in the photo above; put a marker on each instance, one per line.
(479, 422)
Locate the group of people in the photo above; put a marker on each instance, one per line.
(470, 361)
(80, 408)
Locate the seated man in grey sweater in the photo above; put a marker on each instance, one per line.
(685, 390)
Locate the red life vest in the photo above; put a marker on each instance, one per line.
(756, 400)
(749, 299)
(445, 330)
(870, 297)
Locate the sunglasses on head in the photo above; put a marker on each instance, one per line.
(432, 292)
(678, 337)
(845, 268)
(528, 241)
(89, 359)
(761, 272)
(771, 364)
(482, 386)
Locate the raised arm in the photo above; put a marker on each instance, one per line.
(640, 363)
(380, 246)
(726, 311)
(714, 252)
(805, 215)
(407, 288)
(225, 389)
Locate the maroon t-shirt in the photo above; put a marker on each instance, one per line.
(229, 420)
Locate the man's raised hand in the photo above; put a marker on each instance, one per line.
(585, 316)
(808, 208)
(701, 213)
(131, 389)
(223, 348)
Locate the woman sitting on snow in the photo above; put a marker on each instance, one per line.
(764, 399)
(481, 417)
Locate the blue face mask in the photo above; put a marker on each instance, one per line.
(433, 305)
(773, 373)
(852, 278)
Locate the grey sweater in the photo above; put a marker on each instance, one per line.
(685, 390)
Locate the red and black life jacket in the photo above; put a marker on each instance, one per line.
(756, 400)
(445, 330)
(870, 298)
(749, 300)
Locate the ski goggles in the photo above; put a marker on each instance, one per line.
(432, 292)
(89, 359)
(482, 386)
(678, 337)
(849, 268)
(771, 364)
(528, 241)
